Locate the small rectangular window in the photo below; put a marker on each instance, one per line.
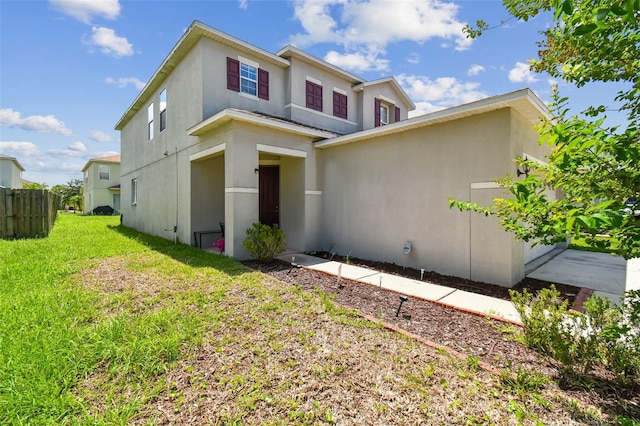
(134, 191)
(163, 109)
(150, 121)
(103, 172)
(248, 79)
(384, 114)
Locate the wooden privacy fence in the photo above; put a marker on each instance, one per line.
(27, 213)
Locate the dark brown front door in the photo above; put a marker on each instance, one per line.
(269, 195)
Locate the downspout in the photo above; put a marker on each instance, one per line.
(175, 227)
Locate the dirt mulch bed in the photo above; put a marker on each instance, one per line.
(467, 334)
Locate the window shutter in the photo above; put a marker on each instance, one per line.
(376, 112)
(339, 105)
(263, 84)
(314, 96)
(397, 118)
(310, 94)
(233, 74)
(318, 99)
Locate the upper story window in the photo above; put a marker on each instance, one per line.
(150, 121)
(103, 172)
(163, 109)
(246, 76)
(314, 94)
(383, 111)
(248, 79)
(339, 104)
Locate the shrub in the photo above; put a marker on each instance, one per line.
(605, 334)
(264, 242)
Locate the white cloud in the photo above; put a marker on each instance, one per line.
(85, 10)
(109, 42)
(20, 149)
(522, 73)
(444, 92)
(98, 136)
(475, 69)
(36, 123)
(413, 58)
(365, 28)
(123, 82)
(76, 150)
(243, 4)
(360, 61)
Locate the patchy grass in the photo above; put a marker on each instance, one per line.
(103, 325)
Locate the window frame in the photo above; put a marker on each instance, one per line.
(150, 121)
(163, 110)
(384, 112)
(134, 191)
(100, 172)
(248, 74)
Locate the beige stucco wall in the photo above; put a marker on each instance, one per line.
(10, 174)
(380, 193)
(296, 104)
(96, 191)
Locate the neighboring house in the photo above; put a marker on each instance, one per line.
(10, 172)
(101, 183)
(227, 132)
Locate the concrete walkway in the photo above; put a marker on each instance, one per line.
(607, 275)
(413, 288)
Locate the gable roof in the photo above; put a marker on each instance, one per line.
(294, 52)
(524, 101)
(107, 159)
(394, 84)
(189, 39)
(14, 159)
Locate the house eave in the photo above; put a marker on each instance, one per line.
(231, 114)
(291, 51)
(524, 101)
(405, 98)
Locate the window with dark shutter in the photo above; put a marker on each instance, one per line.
(339, 105)
(376, 112)
(233, 74)
(314, 96)
(263, 84)
(397, 116)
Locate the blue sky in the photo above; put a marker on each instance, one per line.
(70, 68)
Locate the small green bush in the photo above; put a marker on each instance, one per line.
(605, 334)
(264, 242)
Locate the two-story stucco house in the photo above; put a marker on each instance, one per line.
(227, 132)
(10, 172)
(101, 183)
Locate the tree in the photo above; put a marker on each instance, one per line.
(34, 185)
(595, 166)
(70, 193)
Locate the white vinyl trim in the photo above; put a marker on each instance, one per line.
(248, 62)
(484, 185)
(314, 80)
(312, 192)
(342, 92)
(387, 100)
(236, 190)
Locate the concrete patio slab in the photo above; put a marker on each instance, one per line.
(604, 273)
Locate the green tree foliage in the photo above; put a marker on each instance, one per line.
(594, 165)
(70, 193)
(34, 185)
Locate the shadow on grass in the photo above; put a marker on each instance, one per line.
(183, 253)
